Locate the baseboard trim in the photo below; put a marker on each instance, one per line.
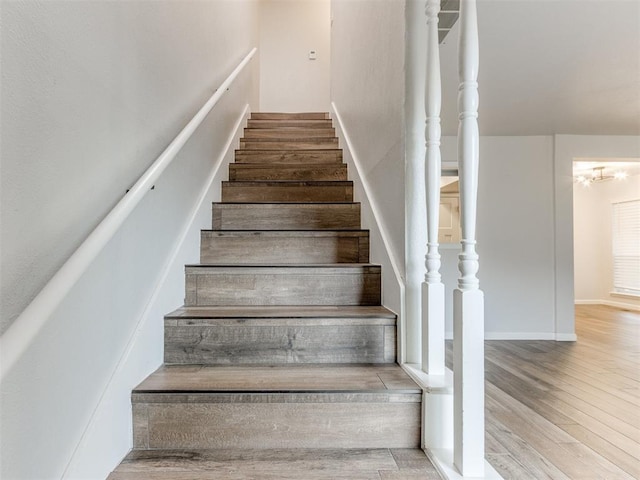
(568, 337)
(443, 461)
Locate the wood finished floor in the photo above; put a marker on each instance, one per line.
(554, 410)
(564, 410)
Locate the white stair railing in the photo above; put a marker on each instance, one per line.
(468, 301)
(433, 288)
(468, 308)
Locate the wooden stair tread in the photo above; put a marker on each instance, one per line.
(355, 311)
(290, 132)
(289, 116)
(271, 464)
(387, 378)
(286, 233)
(328, 156)
(332, 140)
(287, 172)
(285, 267)
(288, 183)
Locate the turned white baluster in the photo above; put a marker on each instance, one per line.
(468, 329)
(432, 288)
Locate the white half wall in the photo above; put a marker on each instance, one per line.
(92, 93)
(367, 91)
(289, 80)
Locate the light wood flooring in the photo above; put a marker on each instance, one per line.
(565, 410)
(555, 410)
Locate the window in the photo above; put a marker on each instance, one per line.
(626, 247)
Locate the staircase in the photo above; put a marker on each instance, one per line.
(281, 363)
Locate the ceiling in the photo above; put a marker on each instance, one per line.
(552, 66)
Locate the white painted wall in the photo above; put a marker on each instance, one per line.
(92, 92)
(367, 91)
(515, 237)
(592, 222)
(289, 80)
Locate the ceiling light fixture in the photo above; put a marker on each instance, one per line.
(598, 175)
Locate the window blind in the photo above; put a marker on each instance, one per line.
(626, 247)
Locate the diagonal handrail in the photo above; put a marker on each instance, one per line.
(23, 330)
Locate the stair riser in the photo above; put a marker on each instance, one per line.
(285, 192)
(239, 172)
(283, 247)
(282, 286)
(292, 133)
(286, 217)
(289, 157)
(270, 341)
(289, 124)
(308, 144)
(289, 116)
(265, 424)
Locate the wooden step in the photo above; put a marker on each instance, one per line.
(279, 335)
(283, 247)
(324, 156)
(287, 192)
(292, 133)
(276, 464)
(286, 216)
(289, 123)
(265, 407)
(290, 116)
(284, 144)
(337, 284)
(262, 172)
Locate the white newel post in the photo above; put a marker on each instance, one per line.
(468, 308)
(433, 288)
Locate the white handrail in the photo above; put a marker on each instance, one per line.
(19, 335)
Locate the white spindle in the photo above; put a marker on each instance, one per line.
(432, 288)
(468, 298)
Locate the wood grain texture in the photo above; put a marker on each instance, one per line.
(283, 312)
(244, 343)
(289, 123)
(338, 284)
(289, 247)
(284, 133)
(284, 425)
(289, 116)
(281, 216)
(280, 378)
(287, 192)
(280, 144)
(316, 156)
(270, 464)
(252, 172)
(567, 410)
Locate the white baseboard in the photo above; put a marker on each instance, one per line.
(519, 336)
(522, 336)
(443, 461)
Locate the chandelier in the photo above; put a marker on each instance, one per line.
(597, 175)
